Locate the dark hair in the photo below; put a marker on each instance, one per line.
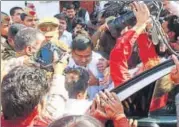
(107, 43)
(173, 24)
(61, 16)
(81, 32)
(22, 16)
(4, 14)
(22, 89)
(76, 83)
(64, 5)
(13, 10)
(14, 28)
(70, 6)
(79, 21)
(81, 42)
(77, 121)
(76, 4)
(112, 9)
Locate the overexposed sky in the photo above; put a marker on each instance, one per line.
(43, 9)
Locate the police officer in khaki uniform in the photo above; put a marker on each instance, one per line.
(29, 18)
(49, 27)
(7, 51)
(5, 22)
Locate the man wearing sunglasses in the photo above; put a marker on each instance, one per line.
(29, 18)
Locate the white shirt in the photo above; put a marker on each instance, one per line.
(100, 7)
(77, 107)
(66, 38)
(57, 97)
(92, 66)
(87, 17)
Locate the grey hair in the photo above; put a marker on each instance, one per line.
(14, 29)
(76, 121)
(26, 37)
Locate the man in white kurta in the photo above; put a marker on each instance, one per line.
(83, 56)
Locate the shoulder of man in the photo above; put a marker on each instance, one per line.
(73, 104)
(10, 64)
(94, 60)
(8, 54)
(4, 43)
(96, 55)
(3, 39)
(83, 11)
(67, 33)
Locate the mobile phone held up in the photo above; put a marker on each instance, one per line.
(45, 56)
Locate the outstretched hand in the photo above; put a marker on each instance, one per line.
(141, 12)
(107, 106)
(59, 65)
(175, 71)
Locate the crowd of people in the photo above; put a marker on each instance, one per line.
(58, 71)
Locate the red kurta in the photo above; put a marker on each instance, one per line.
(119, 56)
(121, 53)
(30, 121)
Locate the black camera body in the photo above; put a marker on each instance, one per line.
(118, 24)
(46, 54)
(128, 18)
